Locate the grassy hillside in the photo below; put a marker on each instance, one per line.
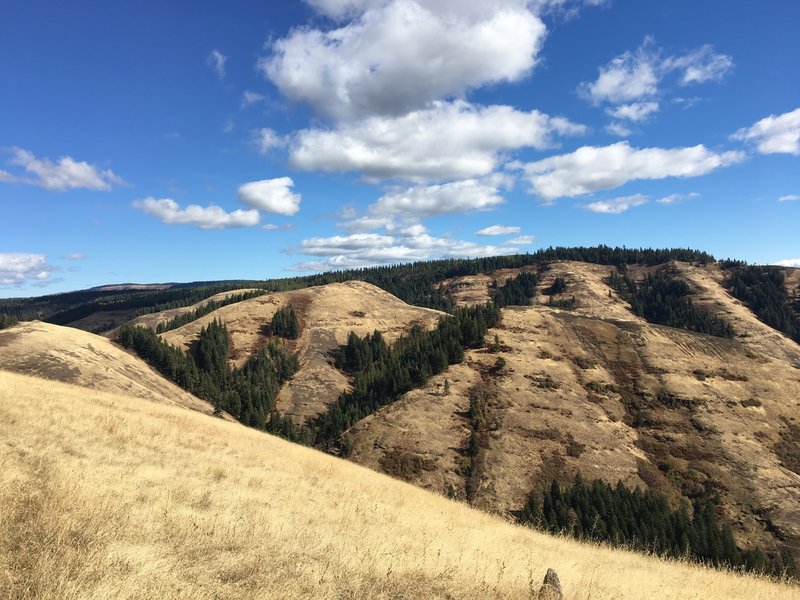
(92, 361)
(107, 496)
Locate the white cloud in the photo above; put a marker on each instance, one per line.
(675, 198)
(775, 134)
(627, 77)
(616, 205)
(700, 66)
(65, 174)
(75, 256)
(6, 177)
(267, 139)
(249, 98)
(498, 230)
(618, 129)
(592, 168)
(211, 217)
(228, 126)
(216, 62)
(632, 79)
(788, 262)
(271, 195)
(19, 268)
(365, 223)
(789, 198)
(449, 198)
(401, 244)
(448, 140)
(523, 240)
(635, 111)
(392, 56)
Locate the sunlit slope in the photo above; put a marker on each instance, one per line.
(89, 360)
(599, 391)
(108, 496)
(328, 313)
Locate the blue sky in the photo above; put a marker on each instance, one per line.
(151, 141)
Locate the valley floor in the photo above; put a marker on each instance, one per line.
(106, 496)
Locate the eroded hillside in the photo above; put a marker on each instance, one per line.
(597, 390)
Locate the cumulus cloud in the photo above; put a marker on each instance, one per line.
(216, 62)
(788, 262)
(267, 139)
(365, 223)
(775, 134)
(617, 205)
(75, 256)
(6, 177)
(592, 168)
(627, 77)
(19, 268)
(271, 195)
(619, 129)
(66, 174)
(401, 244)
(392, 56)
(631, 80)
(210, 217)
(635, 111)
(498, 230)
(789, 198)
(448, 140)
(449, 198)
(700, 65)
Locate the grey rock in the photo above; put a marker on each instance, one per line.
(551, 587)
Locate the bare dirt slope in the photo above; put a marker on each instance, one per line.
(328, 314)
(614, 398)
(106, 496)
(92, 361)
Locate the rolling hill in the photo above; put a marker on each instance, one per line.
(104, 495)
(579, 382)
(91, 361)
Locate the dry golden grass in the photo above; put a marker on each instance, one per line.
(105, 496)
(75, 356)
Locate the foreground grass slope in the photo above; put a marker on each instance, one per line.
(108, 496)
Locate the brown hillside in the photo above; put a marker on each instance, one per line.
(152, 320)
(328, 314)
(106, 496)
(614, 398)
(92, 361)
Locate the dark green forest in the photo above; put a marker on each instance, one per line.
(763, 290)
(644, 520)
(415, 283)
(248, 394)
(285, 323)
(664, 300)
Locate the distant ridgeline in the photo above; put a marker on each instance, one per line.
(415, 283)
